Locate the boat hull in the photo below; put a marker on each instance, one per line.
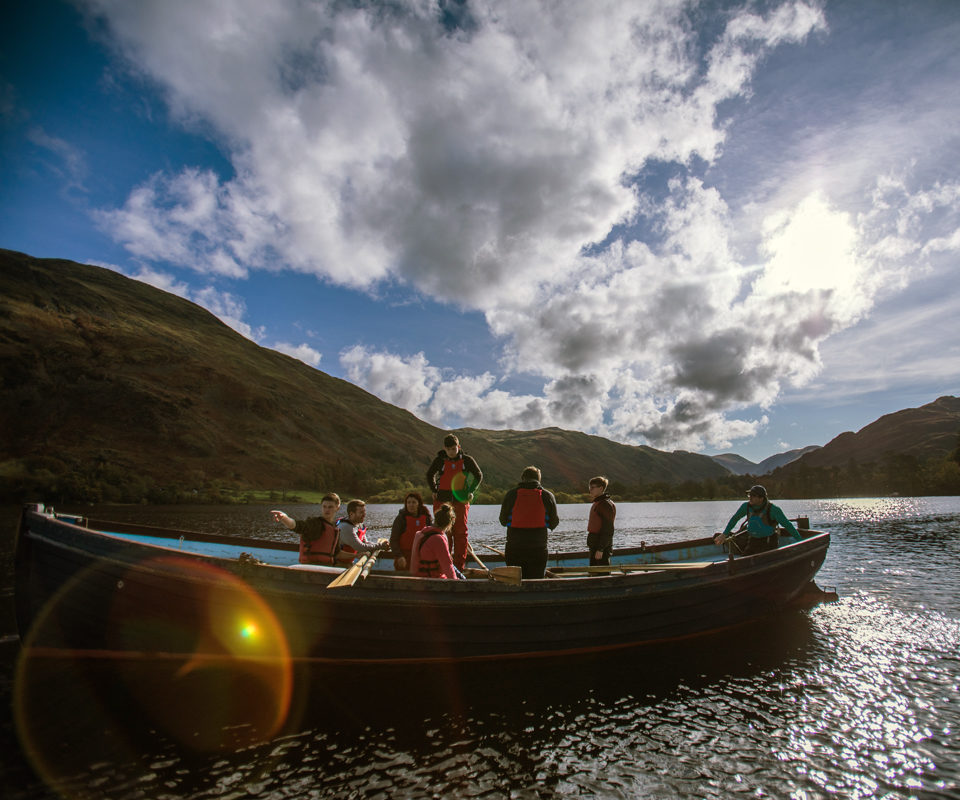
(86, 590)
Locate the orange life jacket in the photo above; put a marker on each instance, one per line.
(323, 549)
(528, 509)
(451, 468)
(414, 524)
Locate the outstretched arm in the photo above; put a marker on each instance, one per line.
(780, 517)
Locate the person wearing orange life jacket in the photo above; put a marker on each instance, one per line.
(527, 511)
(430, 556)
(353, 533)
(410, 519)
(319, 537)
(454, 477)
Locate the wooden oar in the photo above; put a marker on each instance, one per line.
(494, 550)
(360, 567)
(511, 575)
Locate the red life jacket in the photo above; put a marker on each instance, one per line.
(528, 509)
(414, 524)
(596, 519)
(323, 549)
(451, 468)
(361, 535)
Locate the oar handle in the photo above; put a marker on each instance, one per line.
(475, 557)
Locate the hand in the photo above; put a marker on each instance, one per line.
(719, 538)
(383, 544)
(598, 555)
(400, 563)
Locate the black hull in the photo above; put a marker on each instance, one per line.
(86, 591)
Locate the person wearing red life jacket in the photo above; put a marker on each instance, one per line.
(353, 533)
(454, 478)
(527, 511)
(600, 523)
(413, 517)
(430, 557)
(319, 537)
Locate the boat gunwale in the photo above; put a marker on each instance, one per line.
(399, 585)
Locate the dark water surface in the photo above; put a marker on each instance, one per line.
(855, 699)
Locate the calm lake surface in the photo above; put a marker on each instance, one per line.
(854, 699)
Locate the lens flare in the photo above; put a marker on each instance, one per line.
(172, 643)
(461, 485)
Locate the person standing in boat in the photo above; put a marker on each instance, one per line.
(353, 533)
(763, 519)
(600, 523)
(319, 537)
(527, 511)
(413, 517)
(430, 555)
(454, 477)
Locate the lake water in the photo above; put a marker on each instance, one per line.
(854, 699)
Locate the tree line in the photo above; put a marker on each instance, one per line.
(101, 480)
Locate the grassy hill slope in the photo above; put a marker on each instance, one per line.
(930, 431)
(107, 382)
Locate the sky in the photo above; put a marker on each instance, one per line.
(709, 226)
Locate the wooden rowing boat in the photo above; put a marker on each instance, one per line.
(112, 587)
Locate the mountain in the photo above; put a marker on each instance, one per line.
(782, 459)
(738, 465)
(928, 432)
(112, 388)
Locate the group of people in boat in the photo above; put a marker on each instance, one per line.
(437, 546)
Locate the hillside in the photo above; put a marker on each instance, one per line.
(909, 452)
(927, 432)
(109, 386)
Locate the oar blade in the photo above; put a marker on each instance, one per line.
(511, 575)
(349, 576)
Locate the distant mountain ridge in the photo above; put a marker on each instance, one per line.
(739, 465)
(109, 381)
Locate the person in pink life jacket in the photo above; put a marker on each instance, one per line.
(527, 511)
(454, 477)
(319, 537)
(413, 517)
(430, 557)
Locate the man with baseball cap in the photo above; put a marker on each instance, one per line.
(763, 519)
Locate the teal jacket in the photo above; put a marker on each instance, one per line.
(756, 520)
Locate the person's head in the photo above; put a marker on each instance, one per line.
(530, 474)
(597, 486)
(329, 506)
(757, 495)
(445, 517)
(413, 502)
(356, 511)
(451, 444)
